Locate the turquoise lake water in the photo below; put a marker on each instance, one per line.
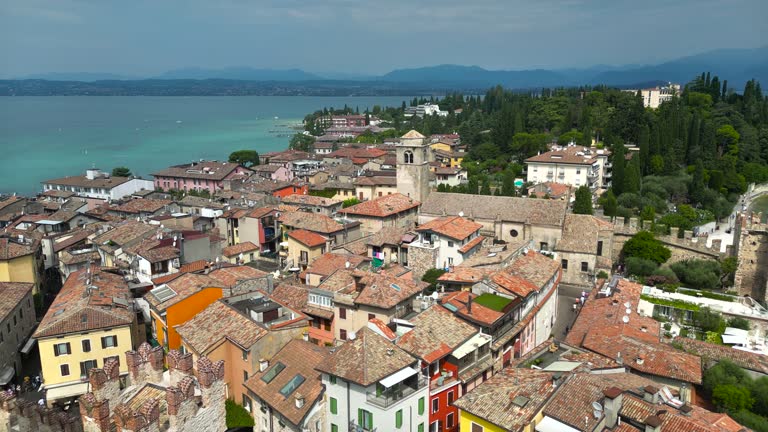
(48, 137)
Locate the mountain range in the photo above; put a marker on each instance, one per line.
(735, 65)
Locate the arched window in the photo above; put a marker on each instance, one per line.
(408, 156)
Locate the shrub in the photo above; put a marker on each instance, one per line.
(430, 276)
(640, 266)
(701, 274)
(729, 397)
(708, 320)
(740, 323)
(751, 420)
(237, 416)
(602, 274)
(644, 245)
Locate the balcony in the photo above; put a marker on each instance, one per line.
(269, 234)
(593, 175)
(388, 397)
(609, 165)
(354, 427)
(607, 174)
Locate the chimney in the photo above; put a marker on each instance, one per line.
(469, 304)
(619, 360)
(263, 365)
(299, 400)
(686, 410)
(612, 405)
(358, 282)
(640, 358)
(653, 423)
(305, 336)
(557, 379)
(270, 283)
(651, 394)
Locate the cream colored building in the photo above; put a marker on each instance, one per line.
(572, 165)
(653, 97)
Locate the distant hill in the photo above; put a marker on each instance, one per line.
(76, 76)
(240, 73)
(476, 76)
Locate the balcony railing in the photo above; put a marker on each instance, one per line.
(609, 165)
(354, 427)
(593, 174)
(394, 395)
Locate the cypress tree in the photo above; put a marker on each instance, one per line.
(583, 202)
(644, 143)
(725, 89)
(632, 176)
(618, 169)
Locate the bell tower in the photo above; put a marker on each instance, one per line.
(413, 166)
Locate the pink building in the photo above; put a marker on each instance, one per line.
(199, 176)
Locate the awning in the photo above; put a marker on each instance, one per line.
(398, 377)
(6, 375)
(736, 332)
(562, 366)
(734, 340)
(28, 346)
(66, 391)
(548, 424)
(472, 344)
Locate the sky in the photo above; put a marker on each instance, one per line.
(148, 37)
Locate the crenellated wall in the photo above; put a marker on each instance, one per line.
(25, 416)
(752, 252)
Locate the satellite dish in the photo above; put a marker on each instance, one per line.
(597, 414)
(625, 319)
(461, 214)
(628, 311)
(597, 406)
(627, 305)
(347, 264)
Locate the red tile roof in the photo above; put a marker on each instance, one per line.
(353, 152)
(479, 313)
(455, 227)
(527, 273)
(436, 333)
(11, 294)
(477, 241)
(385, 331)
(230, 275)
(314, 222)
(184, 286)
(711, 352)
(307, 238)
(140, 205)
(216, 322)
(383, 206)
(239, 248)
(330, 262)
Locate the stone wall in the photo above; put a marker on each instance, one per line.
(420, 260)
(25, 416)
(752, 252)
(145, 364)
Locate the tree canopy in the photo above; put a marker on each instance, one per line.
(644, 245)
(246, 158)
(121, 172)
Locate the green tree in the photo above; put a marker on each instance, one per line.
(508, 183)
(729, 397)
(619, 164)
(609, 203)
(431, 276)
(644, 245)
(301, 142)
(728, 268)
(632, 177)
(485, 188)
(121, 172)
(349, 202)
(583, 202)
(724, 372)
(727, 140)
(640, 266)
(739, 323)
(708, 320)
(237, 416)
(760, 393)
(246, 158)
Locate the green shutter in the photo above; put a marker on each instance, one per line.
(360, 416)
(421, 406)
(399, 419)
(370, 425)
(334, 428)
(333, 406)
(421, 427)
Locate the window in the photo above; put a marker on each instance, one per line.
(245, 376)
(371, 316)
(343, 313)
(334, 406)
(450, 243)
(64, 370)
(514, 233)
(246, 403)
(292, 385)
(449, 420)
(564, 263)
(450, 261)
(421, 406)
(584, 266)
(245, 355)
(365, 418)
(399, 419)
(86, 345)
(109, 341)
(62, 349)
(86, 366)
(343, 334)
(600, 248)
(272, 373)
(21, 313)
(435, 405)
(477, 428)
(408, 157)
(450, 397)
(332, 379)
(543, 246)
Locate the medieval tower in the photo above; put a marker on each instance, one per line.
(413, 166)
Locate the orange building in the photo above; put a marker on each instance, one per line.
(177, 301)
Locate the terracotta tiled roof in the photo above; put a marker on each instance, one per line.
(637, 411)
(475, 242)
(294, 296)
(124, 233)
(712, 352)
(10, 249)
(193, 201)
(140, 205)
(384, 291)
(510, 399)
(299, 358)
(330, 262)
(230, 275)
(11, 294)
(307, 238)
(314, 222)
(454, 227)
(462, 274)
(392, 236)
(568, 155)
(216, 322)
(555, 190)
(581, 233)
(239, 248)
(310, 200)
(352, 152)
(522, 210)
(385, 331)
(436, 333)
(526, 274)
(479, 313)
(192, 267)
(412, 134)
(376, 181)
(383, 206)
(208, 170)
(74, 310)
(83, 181)
(366, 359)
(73, 237)
(184, 286)
(69, 258)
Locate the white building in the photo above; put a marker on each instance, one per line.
(450, 176)
(653, 97)
(452, 239)
(426, 109)
(372, 384)
(572, 165)
(99, 185)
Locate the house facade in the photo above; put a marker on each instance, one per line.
(17, 319)
(572, 165)
(99, 185)
(207, 176)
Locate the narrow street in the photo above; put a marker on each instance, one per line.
(567, 296)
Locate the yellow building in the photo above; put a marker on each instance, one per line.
(91, 320)
(21, 261)
(304, 247)
(440, 146)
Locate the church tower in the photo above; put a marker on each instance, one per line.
(413, 166)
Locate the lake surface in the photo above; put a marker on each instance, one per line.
(43, 138)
